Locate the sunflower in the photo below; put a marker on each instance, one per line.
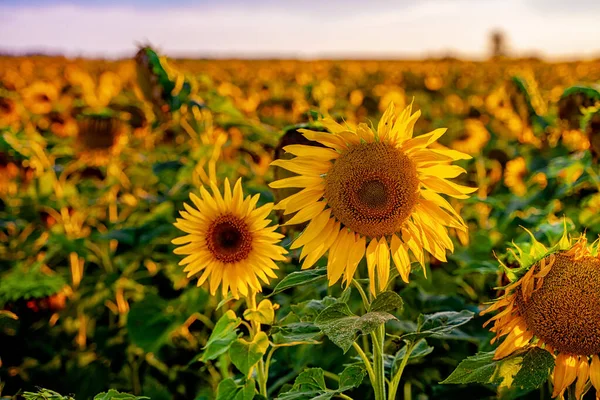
(98, 137)
(374, 194)
(514, 176)
(553, 303)
(228, 240)
(40, 97)
(474, 138)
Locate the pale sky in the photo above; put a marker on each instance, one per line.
(301, 28)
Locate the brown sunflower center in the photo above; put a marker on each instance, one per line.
(565, 311)
(98, 132)
(229, 239)
(372, 189)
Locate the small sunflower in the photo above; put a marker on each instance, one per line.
(474, 138)
(553, 303)
(374, 194)
(40, 97)
(514, 176)
(99, 136)
(228, 240)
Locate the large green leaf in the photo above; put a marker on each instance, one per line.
(298, 278)
(387, 302)
(222, 336)
(438, 324)
(229, 390)
(244, 355)
(149, 326)
(115, 395)
(526, 370)
(341, 326)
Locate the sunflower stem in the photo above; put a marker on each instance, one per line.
(363, 295)
(398, 375)
(261, 375)
(571, 393)
(378, 338)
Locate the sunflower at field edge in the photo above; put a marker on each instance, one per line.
(228, 240)
(553, 303)
(373, 194)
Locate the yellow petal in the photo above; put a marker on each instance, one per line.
(321, 153)
(313, 229)
(565, 372)
(583, 375)
(401, 258)
(307, 213)
(595, 372)
(297, 182)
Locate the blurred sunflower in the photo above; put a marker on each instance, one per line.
(553, 303)
(228, 240)
(514, 176)
(9, 113)
(474, 138)
(99, 136)
(40, 97)
(373, 193)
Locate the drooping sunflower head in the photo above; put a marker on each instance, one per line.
(228, 241)
(553, 302)
(373, 192)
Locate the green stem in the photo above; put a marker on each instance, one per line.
(363, 295)
(343, 396)
(261, 376)
(378, 367)
(407, 391)
(366, 361)
(571, 393)
(398, 375)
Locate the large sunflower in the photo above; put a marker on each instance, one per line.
(373, 193)
(228, 240)
(554, 303)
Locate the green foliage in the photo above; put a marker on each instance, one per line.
(25, 285)
(222, 336)
(527, 370)
(229, 390)
(341, 326)
(438, 325)
(299, 278)
(310, 384)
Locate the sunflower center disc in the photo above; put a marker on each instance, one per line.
(565, 311)
(228, 239)
(372, 189)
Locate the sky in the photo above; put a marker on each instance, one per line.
(555, 29)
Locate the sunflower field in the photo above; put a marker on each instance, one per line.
(274, 229)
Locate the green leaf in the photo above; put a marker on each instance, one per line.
(45, 394)
(298, 278)
(341, 325)
(113, 394)
(221, 337)
(420, 350)
(296, 332)
(264, 313)
(149, 326)
(387, 302)
(245, 354)
(438, 324)
(351, 377)
(527, 370)
(229, 390)
(309, 385)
